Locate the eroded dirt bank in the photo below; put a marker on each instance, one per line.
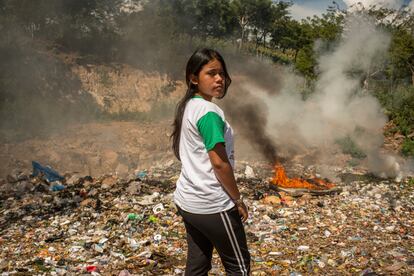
(93, 149)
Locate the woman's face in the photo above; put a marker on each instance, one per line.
(210, 81)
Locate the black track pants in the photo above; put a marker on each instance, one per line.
(223, 231)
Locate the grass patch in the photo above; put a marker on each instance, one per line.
(275, 55)
(159, 111)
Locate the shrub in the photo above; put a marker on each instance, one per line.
(399, 105)
(349, 147)
(407, 148)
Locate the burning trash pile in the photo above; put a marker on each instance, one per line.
(298, 186)
(71, 224)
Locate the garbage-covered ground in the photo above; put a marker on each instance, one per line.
(113, 226)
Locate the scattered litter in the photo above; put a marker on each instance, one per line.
(152, 219)
(249, 173)
(132, 216)
(111, 226)
(148, 199)
(303, 248)
(141, 174)
(91, 268)
(157, 238)
(124, 273)
(57, 187)
(47, 172)
(158, 208)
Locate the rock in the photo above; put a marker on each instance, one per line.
(108, 182)
(72, 179)
(122, 170)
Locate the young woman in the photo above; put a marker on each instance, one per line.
(206, 195)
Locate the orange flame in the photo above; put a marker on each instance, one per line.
(280, 179)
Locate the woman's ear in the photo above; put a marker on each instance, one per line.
(193, 79)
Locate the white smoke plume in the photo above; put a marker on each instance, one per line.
(339, 107)
(396, 4)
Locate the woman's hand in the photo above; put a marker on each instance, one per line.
(244, 214)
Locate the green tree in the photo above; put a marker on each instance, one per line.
(326, 28)
(215, 18)
(243, 10)
(402, 55)
(262, 19)
(202, 18)
(305, 62)
(288, 34)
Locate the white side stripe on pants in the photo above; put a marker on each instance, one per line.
(233, 241)
(236, 243)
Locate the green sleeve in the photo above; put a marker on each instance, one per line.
(211, 128)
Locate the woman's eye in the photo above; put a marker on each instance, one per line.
(213, 73)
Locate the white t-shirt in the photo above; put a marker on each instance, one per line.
(198, 190)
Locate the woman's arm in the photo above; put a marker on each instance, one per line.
(225, 175)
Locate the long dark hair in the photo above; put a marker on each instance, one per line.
(194, 65)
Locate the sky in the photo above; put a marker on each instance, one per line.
(303, 8)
